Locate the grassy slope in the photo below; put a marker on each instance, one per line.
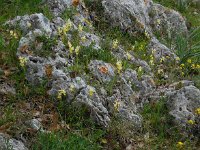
(78, 132)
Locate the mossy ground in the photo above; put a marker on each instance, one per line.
(77, 131)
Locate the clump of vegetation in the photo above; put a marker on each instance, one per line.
(59, 141)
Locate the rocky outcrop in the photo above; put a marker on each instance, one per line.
(145, 17)
(49, 48)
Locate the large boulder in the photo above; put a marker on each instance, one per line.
(166, 22)
(129, 15)
(183, 102)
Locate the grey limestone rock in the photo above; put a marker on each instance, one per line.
(35, 124)
(167, 21)
(32, 22)
(89, 97)
(95, 67)
(6, 89)
(10, 143)
(143, 16)
(183, 102)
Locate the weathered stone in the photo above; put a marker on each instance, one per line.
(35, 124)
(121, 54)
(98, 67)
(130, 15)
(10, 143)
(7, 89)
(124, 108)
(58, 6)
(140, 16)
(90, 99)
(71, 86)
(32, 22)
(160, 49)
(183, 102)
(91, 39)
(167, 21)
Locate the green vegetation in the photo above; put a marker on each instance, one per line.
(59, 141)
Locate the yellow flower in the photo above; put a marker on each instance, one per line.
(133, 48)
(162, 59)
(182, 66)
(91, 91)
(28, 24)
(177, 59)
(22, 61)
(61, 93)
(80, 28)
(190, 122)
(189, 61)
(147, 35)
(151, 62)
(71, 48)
(128, 56)
(197, 111)
(198, 66)
(77, 49)
(151, 57)
(13, 34)
(116, 105)
(83, 38)
(180, 144)
(193, 66)
(153, 51)
(158, 21)
(115, 44)
(140, 69)
(67, 26)
(59, 31)
(167, 57)
(72, 87)
(160, 71)
(104, 141)
(87, 22)
(119, 66)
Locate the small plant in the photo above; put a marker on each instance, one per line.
(7, 116)
(182, 5)
(189, 47)
(47, 46)
(157, 118)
